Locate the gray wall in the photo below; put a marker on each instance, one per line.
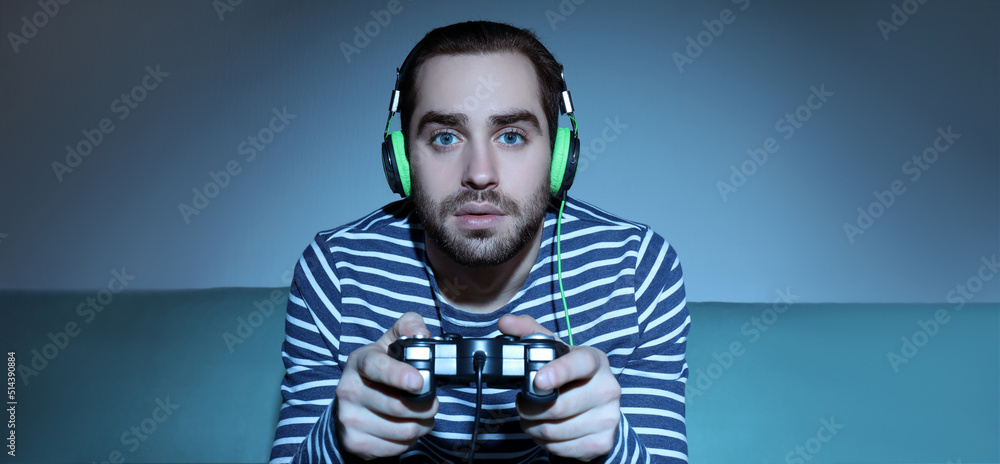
(688, 126)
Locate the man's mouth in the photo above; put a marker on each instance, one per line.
(479, 215)
(480, 209)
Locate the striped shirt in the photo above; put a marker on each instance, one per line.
(625, 295)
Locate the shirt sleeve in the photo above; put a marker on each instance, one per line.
(652, 427)
(305, 431)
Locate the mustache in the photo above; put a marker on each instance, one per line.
(491, 197)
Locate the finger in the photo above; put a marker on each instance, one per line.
(369, 435)
(521, 326)
(582, 362)
(594, 421)
(408, 325)
(394, 429)
(372, 363)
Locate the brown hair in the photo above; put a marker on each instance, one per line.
(480, 38)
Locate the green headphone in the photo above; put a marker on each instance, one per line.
(565, 153)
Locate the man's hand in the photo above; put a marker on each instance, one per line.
(372, 420)
(583, 422)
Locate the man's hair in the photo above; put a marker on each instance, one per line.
(482, 38)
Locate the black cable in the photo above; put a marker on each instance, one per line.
(478, 361)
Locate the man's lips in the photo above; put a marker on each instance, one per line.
(479, 216)
(486, 209)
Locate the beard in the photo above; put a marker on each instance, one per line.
(481, 247)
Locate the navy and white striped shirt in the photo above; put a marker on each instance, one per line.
(625, 294)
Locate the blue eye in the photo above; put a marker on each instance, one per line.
(511, 138)
(444, 138)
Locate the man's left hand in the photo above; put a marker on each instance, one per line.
(583, 422)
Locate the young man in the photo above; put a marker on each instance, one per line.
(473, 251)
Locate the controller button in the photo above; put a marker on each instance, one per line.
(417, 353)
(538, 336)
(446, 366)
(541, 354)
(531, 386)
(513, 367)
(426, 388)
(449, 350)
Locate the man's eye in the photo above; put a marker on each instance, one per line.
(444, 138)
(511, 138)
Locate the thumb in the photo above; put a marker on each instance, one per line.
(408, 325)
(520, 326)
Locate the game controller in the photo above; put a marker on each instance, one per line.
(510, 362)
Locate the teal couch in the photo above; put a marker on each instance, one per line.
(193, 376)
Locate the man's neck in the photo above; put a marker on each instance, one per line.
(481, 289)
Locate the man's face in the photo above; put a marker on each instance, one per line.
(480, 156)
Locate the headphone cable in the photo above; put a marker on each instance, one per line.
(562, 292)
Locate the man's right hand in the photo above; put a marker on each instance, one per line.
(372, 420)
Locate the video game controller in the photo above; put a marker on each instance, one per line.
(510, 362)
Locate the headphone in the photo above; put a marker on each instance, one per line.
(565, 153)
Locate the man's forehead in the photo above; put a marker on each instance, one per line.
(483, 86)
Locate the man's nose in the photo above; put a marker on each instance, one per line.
(480, 171)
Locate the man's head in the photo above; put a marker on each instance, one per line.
(479, 131)
(481, 38)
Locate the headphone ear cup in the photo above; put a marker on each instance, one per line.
(565, 156)
(395, 165)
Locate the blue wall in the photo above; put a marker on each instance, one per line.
(222, 76)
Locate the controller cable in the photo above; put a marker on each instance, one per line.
(478, 363)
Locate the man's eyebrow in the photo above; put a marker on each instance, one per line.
(444, 119)
(515, 117)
